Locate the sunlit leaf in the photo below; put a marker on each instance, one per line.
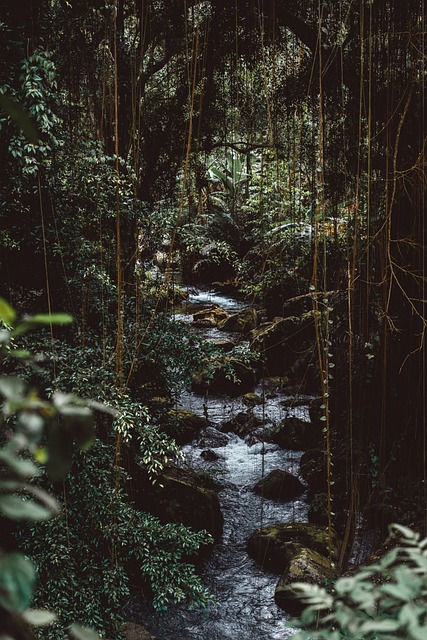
(19, 466)
(17, 508)
(39, 617)
(7, 314)
(11, 387)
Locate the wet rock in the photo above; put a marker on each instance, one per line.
(243, 321)
(210, 317)
(225, 345)
(183, 496)
(133, 631)
(296, 434)
(284, 341)
(252, 400)
(220, 381)
(242, 424)
(279, 485)
(274, 547)
(183, 425)
(213, 439)
(210, 455)
(306, 566)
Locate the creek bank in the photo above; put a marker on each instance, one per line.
(182, 496)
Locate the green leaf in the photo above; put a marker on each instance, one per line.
(83, 633)
(51, 318)
(379, 625)
(17, 508)
(7, 314)
(21, 117)
(20, 466)
(418, 633)
(12, 388)
(39, 617)
(17, 575)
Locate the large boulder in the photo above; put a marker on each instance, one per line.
(274, 547)
(220, 380)
(183, 425)
(306, 566)
(210, 317)
(242, 424)
(213, 439)
(243, 321)
(285, 342)
(296, 434)
(182, 496)
(279, 485)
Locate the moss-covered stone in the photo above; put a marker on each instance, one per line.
(243, 321)
(242, 424)
(183, 425)
(279, 485)
(133, 631)
(274, 547)
(182, 496)
(210, 317)
(306, 566)
(296, 434)
(221, 382)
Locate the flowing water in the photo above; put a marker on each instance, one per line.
(246, 608)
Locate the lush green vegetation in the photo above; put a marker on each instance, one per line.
(277, 148)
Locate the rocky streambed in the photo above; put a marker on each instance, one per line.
(241, 479)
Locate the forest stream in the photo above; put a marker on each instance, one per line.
(245, 593)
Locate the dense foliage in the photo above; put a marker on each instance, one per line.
(276, 147)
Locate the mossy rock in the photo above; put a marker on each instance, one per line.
(133, 631)
(252, 400)
(242, 424)
(306, 566)
(225, 344)
(183, 496)
(274, 547)
(183, 425)
(209, 455)
(279, 485)
(243, 321)
(213, 439)
(221, 383)
(296, 434)
(210, 317)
